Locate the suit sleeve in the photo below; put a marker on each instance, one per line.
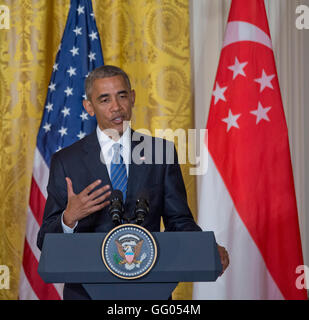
(56, 201)
(177, 215)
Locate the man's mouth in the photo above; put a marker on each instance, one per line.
(118, 120)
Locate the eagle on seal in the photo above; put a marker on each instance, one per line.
(129, 251)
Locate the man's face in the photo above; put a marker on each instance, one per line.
(112, 102)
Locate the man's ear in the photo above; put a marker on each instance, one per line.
(88, 107)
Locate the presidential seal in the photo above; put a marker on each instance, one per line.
(129, 251)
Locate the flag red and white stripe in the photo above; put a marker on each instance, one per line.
(248, 197)
(31, 286)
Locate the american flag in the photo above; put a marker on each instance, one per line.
(64, 122)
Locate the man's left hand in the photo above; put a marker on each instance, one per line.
(224, 257)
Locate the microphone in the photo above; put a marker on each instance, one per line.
(141, 208)
(116, 207)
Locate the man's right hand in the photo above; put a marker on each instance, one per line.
(85, 203)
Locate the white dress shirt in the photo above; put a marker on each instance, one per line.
(106, 144)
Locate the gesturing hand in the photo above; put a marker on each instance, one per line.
(85, 203)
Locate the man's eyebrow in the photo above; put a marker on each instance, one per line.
(104, 95)
(122, 92)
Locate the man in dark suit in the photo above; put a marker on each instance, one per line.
(80, 176)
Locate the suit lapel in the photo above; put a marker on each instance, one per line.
(92, 159)
(137, 173)
(133, 173)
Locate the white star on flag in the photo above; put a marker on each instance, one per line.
(63, 131)
(74, 51)
(68, 91)
(55, 67)
(219, 93)
(78, 31)
(52, 87)
(238, 68)
(84, 116)
(265, 81)
(47, 127)
(72, 71)
(81, 135)
(49, 107)
(261, 113)
(93, 35)
(92, 56)
(80, 10)
(231, 120)
(66, 111)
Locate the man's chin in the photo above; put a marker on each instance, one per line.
(116, 130)
(122, 127)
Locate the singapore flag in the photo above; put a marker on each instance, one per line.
(248, 196)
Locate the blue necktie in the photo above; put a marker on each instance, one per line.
(119, 177)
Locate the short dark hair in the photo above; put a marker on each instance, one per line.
(106, 71)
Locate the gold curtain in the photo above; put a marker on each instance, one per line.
(147, 38)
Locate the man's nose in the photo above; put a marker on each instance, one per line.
(115, 105)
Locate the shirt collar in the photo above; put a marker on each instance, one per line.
(106, 142)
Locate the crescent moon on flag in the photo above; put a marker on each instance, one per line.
(237, 31)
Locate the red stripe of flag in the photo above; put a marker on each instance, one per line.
(37, 202)
(42, 290)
